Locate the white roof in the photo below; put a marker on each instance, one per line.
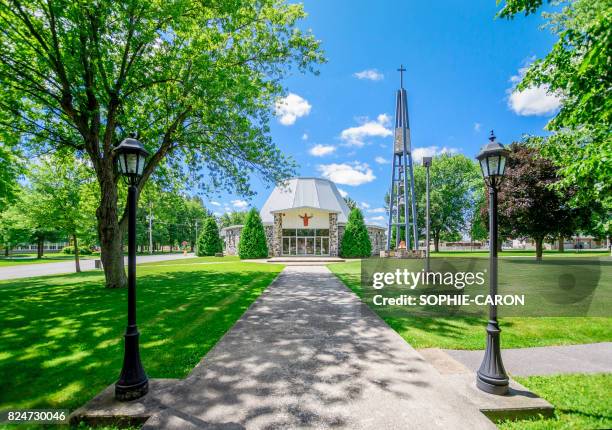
(316, 193)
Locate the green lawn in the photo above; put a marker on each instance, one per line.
(581, 402)
(18, 260)
(62, 336)
(571, 253)
(468, 333)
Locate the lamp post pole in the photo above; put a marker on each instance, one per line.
(427, 164)
(133, 382)
(491, 376)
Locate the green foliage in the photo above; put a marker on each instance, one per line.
(252, 242)
(233, 218)
(578, 68)
(209, 242)
(11, 167)
(350, 202)
(528, 205)
(82, 250)
(356, 241)
(197, 80)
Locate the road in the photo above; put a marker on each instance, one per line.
(31, 270)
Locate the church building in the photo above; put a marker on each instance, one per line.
(304, 217)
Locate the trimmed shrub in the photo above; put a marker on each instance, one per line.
(253, 237)
(82, 251)
(356, 241)
(209, 242)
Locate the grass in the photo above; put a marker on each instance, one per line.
(581, 402)
(18, 260)
(570, 253)
(62, 336)
(468, 332)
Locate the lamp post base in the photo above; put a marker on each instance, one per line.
(125, 393)
(498, 387)
(492, 377)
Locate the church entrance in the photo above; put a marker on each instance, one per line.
(305, 241)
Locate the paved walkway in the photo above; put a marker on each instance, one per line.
(546, 360)
(309, 354)
(30, 270)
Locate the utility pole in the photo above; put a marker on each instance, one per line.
(427, 164)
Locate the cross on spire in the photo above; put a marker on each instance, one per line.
(401, 70)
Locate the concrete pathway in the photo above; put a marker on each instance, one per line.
(30, 270)
(546, 360)
(309, 354)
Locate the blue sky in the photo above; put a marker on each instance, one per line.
(460, 61)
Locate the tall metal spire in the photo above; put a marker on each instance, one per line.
(402, 212)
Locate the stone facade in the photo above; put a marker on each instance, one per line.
(231, 238)
(269, 229)
(334, 241)
(277, 234)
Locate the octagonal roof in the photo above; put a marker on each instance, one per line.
(295, 193)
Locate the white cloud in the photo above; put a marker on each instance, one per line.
(320, 150)
(290, 108)
(342, 192)
(214, 203)
(356, 135)
(381, 160)
(534, 101)
(369, 74)
(240, 204)
(477, 126)
(217, 213)
(430, 151)
(354, 173)
(365, 205)
(305, 136)
(379, 220)
(377, 211)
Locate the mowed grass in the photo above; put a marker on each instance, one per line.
(62, 336)
(469, 333)
(581, 402)
(570, 253)
(18, 260)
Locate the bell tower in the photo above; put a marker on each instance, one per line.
(402, 199)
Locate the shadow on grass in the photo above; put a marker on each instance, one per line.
(62, 336)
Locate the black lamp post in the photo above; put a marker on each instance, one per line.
(492, 377)
(133, 382)
(427, 164)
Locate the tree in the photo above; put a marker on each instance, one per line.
(579, 70)
(528, 206)
(356, 241)
(454, 181)
(352, 204)
(12, 229)
(209, 242)
(57, 198)
(252, 242)
(11, 168)
(233, 218)
(198, 80)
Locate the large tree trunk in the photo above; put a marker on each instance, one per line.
(40, 248)
(499, 245)
(77, 263)
(561, 243)
(436, 243)
(538, 244)
(109, 231)
(6, 250)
